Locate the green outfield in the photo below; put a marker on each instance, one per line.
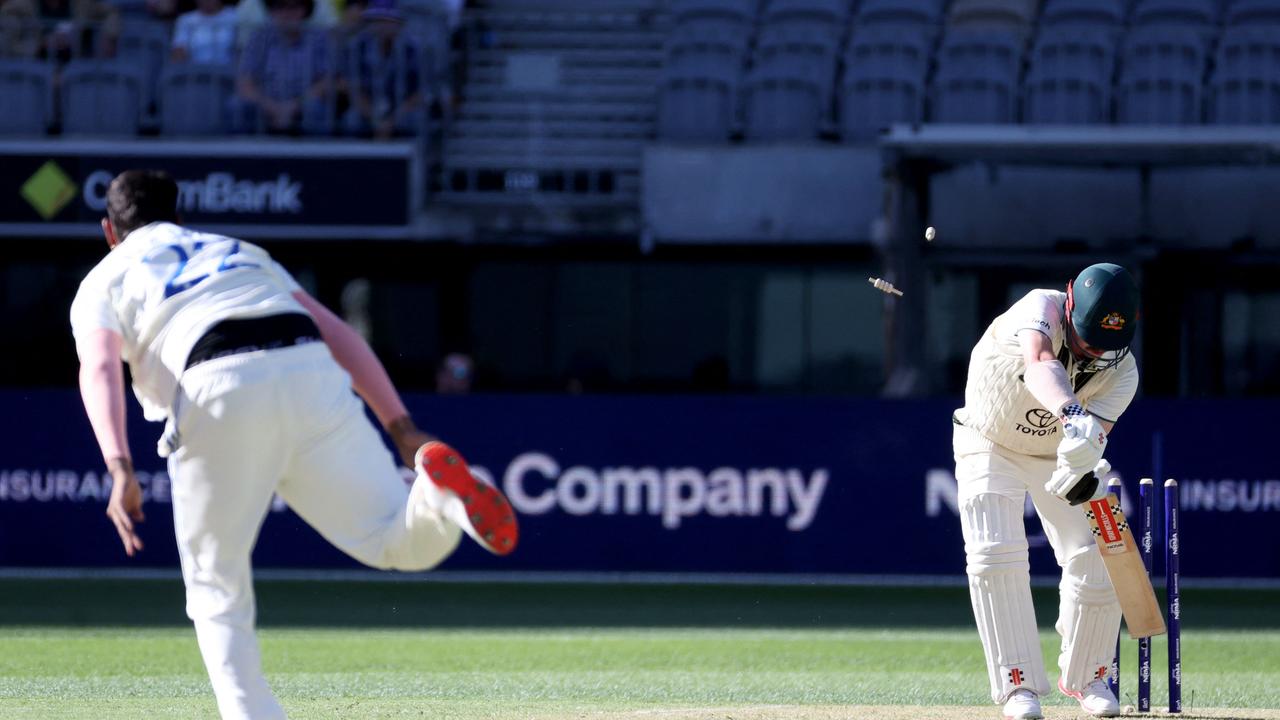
(107, 649)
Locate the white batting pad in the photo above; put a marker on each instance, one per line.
(1000, 589)
(1088, 620)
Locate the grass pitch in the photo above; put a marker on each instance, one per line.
(107, 649)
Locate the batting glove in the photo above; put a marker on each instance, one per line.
(1077, 485)
(1083, 439)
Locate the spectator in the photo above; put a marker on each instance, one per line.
(19, 29)
(455, 374)
(206, 35)
(163, 10)
(73, 28)
(284, 75)
(351, 21)
(251, 15)
(384, 77)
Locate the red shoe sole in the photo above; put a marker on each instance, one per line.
(492, 517)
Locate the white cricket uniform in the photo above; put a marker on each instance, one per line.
(243, 427)
(1005, 445)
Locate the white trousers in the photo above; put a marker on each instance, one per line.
(282, 421)
(993, 486)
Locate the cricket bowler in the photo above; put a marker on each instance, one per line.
(1047, 382)
(254, 381)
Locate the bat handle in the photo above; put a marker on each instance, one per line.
(1084, 489)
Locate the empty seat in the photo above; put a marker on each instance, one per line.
(702, 56)
(832, 11)
(1161, 73)
(884, 82)
(696, 109)
(899, 12)
(874, 49)
(145, 44)
(980, 53)
(781, 107)
(1243, 12)
(993, 13)
(1175, 12)
(1101, 13)
(26, 90)
(869, 105)
(711, 30)
(977, 78)
(740, 10)
(1246, 80)
(1069, 77)
(1249, 52)
(101, 97)
(1246, 101)
(193, 99)
(798, 49)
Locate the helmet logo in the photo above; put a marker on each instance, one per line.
(1113, 321)
(1088, 282)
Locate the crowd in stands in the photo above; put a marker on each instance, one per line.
(367, 68)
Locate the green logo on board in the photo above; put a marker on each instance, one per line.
(49, 190)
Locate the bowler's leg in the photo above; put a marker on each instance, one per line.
(344, 482)
(222, 480)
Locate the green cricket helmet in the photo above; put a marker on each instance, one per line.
(1102, 309)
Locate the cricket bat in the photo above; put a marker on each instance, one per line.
(1124, 564)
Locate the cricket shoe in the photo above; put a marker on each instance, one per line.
(477, 507)
(1022, 705)
(1095, 699)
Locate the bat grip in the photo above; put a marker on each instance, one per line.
(1083, 490)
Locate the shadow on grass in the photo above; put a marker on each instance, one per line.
(144, 603)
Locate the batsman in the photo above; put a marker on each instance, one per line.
(1047, 382)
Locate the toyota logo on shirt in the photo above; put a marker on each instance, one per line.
(1041, 418)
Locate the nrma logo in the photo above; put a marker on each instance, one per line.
(1146, 542)
(1177, 674)
(1176, 609)
(1173, 544)
(1144, 672)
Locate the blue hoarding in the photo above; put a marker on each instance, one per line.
(678, 484)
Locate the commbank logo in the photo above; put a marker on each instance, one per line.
(49, 190)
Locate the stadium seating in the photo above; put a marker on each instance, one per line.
(696, 109)
(1246, 81)
(1009, 15)
(26, 93)
(702, 71)
(910, 13)
(145, 44)
(798, 49)
(102, 97)
(1090, 13)
(783, 107)
(977, 78)
(739, 11)
(884, 81)
(1069, 76)
(1175, 12)
(193, 99)
(1253, 12)
(1161, 77)
(835, 12)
